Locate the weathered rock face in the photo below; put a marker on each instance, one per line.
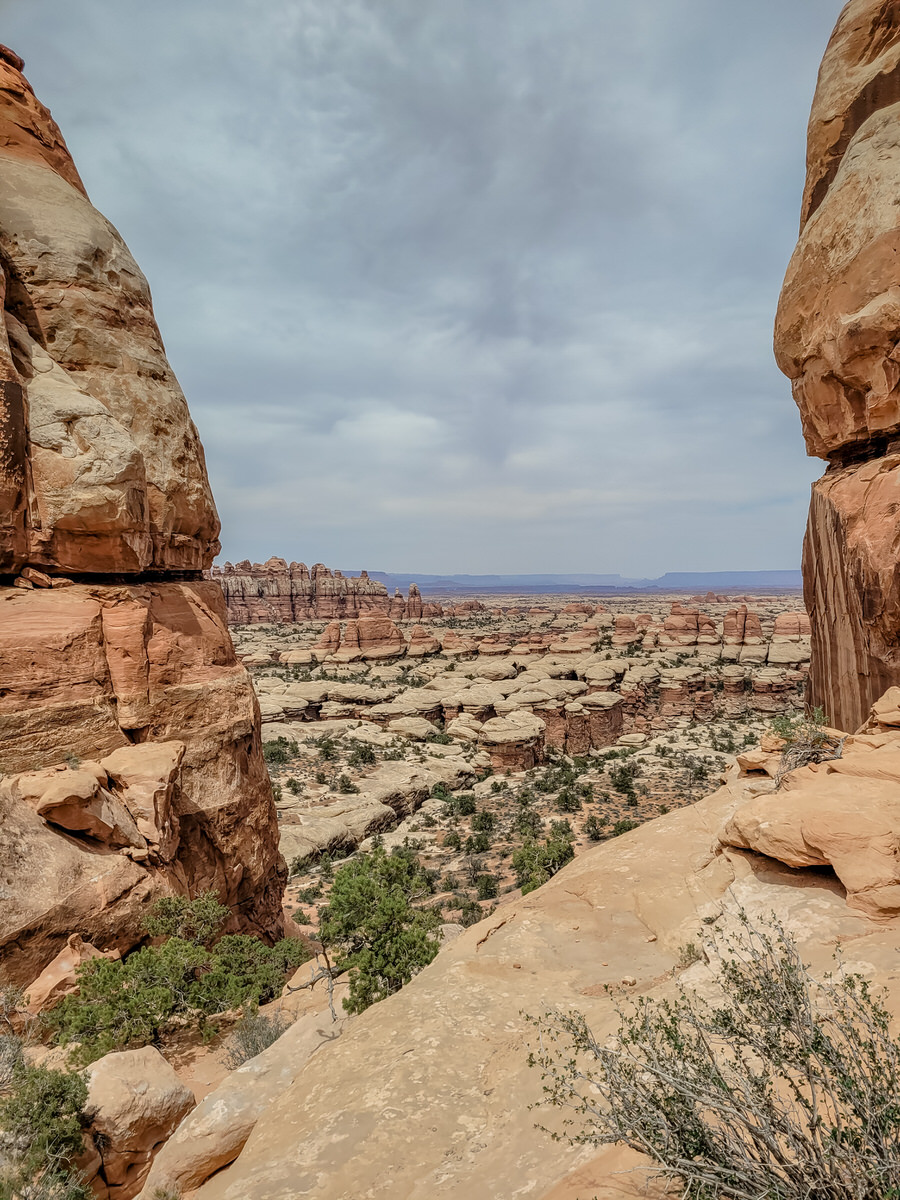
(836, 338)
(139, 689)
(102, 469)
(278, 592)
(130, 754)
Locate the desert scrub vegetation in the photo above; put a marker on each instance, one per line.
(192, 976)
(254, 1033)
(373, 926)
(41, 1117)
(280, 751)
(807, 740)
(785, 1088)
(536, 862)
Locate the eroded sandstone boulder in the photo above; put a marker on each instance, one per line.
(135, 1101)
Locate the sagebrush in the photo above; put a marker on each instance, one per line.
(786, 1088)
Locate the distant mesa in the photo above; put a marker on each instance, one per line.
(278, 592)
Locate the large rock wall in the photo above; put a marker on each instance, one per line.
(837, 336)
(276, 592)
(130, 753)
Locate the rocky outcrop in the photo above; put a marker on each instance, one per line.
(283, 593)
(836, 338)
(130, 750)
(843, 813)
(101, 468)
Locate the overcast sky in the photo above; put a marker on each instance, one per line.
(462, 285)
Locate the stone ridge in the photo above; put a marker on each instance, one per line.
(280, 593)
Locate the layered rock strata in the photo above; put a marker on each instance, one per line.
(130, 749)
(278, 592)
(836, 337)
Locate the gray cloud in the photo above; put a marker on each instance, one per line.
(462, 287)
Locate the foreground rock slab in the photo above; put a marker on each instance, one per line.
(426, 1095)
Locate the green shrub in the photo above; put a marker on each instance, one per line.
(42, 1117)
(279, 751)
(470, 913)
(785, 1088)
(487, 887)
(594, 827)
(536, 862)
(452, 840)
(372, 924)
(624, 826)
(568, 801)
(483, 822)
(346, 786)
(129, 1003)
(295, 787)
(199, 920)
(328, 750)
(478, 843)
(465, 804)
(529, 823)
(362, 755)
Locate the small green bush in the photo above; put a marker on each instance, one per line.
(41, 1117)
(362, 755)
(595, 827)
(624, 826)
(130, 1002)
(487, 887)
(529, 823)
(478, 843)
(199, 920)
(483, 822)
(536, 862)
(328, 750)
(279, 751)
(568, 801)
(372, 924)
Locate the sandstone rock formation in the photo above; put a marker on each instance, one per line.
(129, 733)
(135, 1102)
(617, 918)
(278, 592)
(836, 338)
